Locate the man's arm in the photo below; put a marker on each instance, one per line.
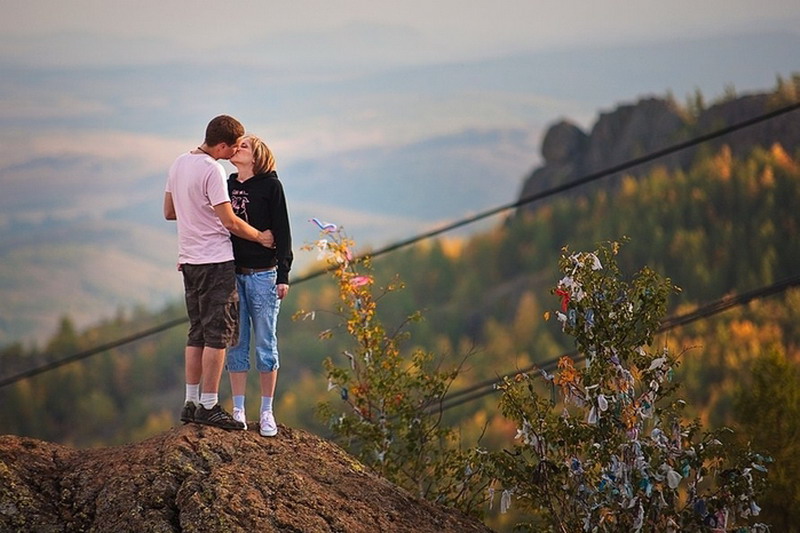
(240, 228)
(169, 207)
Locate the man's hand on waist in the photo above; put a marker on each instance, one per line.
(266, 239)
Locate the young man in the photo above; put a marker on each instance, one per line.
(197, 197)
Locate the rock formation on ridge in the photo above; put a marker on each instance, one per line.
(651, 124)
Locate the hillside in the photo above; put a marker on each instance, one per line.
(489, 291)
(200, 479)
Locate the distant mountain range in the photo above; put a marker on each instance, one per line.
(107, 248)
(81, 231)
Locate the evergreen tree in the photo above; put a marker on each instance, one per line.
(768, 410)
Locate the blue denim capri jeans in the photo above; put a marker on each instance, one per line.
(258, 311)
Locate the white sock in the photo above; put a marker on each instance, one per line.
(193, 393)
(266, 403)
(238, 401)
(209, 400)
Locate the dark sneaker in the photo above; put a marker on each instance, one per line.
(187, 413)
(216, 416)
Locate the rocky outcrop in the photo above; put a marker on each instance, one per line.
(651, 124)
(202, 479)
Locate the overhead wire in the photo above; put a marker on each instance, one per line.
(483, 388)
(594, 176)
(92, 351)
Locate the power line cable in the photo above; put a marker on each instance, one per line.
(709, 309)
(92, 351)
(576, 183)
(480, 389)
(449, 227)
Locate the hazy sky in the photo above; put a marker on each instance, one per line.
(305, 33)
(312, 42)
(138, 79)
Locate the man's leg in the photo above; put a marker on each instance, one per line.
(193, 368)
(194, 364)
(210, 412)
(213, 363)
(193, 353)
(220, 309)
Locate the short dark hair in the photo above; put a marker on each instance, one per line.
(223, 129)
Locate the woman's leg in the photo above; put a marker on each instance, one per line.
(238, 357)
(265, 321)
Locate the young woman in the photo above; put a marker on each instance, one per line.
(262, 274)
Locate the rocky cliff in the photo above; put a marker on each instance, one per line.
(649, 125)
(202, 479)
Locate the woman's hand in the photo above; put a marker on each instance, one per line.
(282, 289)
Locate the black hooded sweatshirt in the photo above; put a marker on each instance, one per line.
(261, 203)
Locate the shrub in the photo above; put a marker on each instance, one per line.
(392, 416)
(603, 446)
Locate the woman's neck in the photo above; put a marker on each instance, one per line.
(245, 174)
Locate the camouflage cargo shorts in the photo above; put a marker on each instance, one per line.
(212, 304)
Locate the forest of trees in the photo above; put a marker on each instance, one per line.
(724, 226)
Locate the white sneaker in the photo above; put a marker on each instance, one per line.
(267, 425)
(238, 415)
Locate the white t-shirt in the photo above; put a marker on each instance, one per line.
(197, 183)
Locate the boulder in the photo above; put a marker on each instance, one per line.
(196, 478)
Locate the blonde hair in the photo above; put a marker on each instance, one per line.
(263, 159)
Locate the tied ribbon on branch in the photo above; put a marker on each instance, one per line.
(564, 298)
(327, 227)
